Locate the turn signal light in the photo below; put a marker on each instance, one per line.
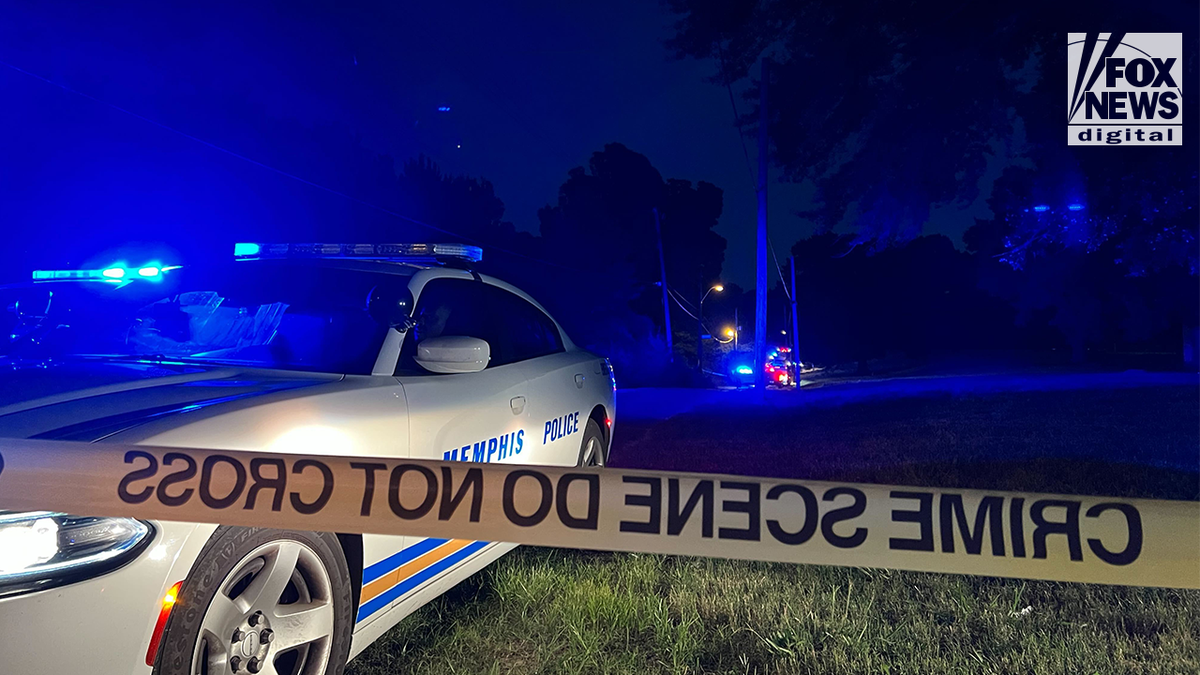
(168, 602)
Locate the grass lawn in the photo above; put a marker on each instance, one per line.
(1131, 442)
(543, 610)
(549, 611)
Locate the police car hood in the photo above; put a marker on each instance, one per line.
(88, 400)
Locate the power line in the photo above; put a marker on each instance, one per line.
(684, 300)
(782, 281)
(677, 297)
(674, 297)
(737, 119)
(268, 167)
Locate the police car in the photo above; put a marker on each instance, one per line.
(396, 350)
(780, 369)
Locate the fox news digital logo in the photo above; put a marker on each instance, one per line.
(1124, 89)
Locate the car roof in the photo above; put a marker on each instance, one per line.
(401, 268)
(396, 267)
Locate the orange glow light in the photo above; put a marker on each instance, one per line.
(168, 601)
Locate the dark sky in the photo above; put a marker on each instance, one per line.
(534, 88)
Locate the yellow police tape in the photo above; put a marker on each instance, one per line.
(1140, 542)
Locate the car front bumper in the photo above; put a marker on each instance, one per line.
(100, 625)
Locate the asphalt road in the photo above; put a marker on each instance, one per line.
(1133, 433)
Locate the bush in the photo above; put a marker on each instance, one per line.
(639, 355)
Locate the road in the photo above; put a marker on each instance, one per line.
(1130, 433)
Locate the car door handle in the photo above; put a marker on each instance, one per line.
(517, 404)
(578, 381)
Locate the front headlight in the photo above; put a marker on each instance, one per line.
(39, 549)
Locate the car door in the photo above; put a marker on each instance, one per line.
(474, 417)
(561, 383)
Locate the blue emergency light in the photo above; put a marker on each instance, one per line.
(113, 275)
(390, 252)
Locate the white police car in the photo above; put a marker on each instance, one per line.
(395, 350)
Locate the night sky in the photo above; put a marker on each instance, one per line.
(533, 88)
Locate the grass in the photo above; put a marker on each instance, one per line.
(1134, 442)
(550, 611)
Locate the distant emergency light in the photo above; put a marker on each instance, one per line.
(394, 252)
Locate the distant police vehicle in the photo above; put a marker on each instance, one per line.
(396, 350)
(780, 369)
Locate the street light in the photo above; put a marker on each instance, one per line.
(731, 332)
(700, 320)
(716, 287)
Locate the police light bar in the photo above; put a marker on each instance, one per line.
(109, 274)
(396, 252)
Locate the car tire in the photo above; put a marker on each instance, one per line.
(593, 451)
(228, 608)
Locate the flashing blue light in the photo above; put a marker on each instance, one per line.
(1041, 208)
(745, 370)
(443, 108)
(112, 275)
(245, 250)
(1075, 207)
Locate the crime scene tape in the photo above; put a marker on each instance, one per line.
(1139, 542)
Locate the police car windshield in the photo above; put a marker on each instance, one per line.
(262, 314)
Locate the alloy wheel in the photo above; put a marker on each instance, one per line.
(273, 614)
(593, 453)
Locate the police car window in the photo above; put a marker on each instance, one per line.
(262, 314)
(445, 307)
(528, 331)
(514, 329)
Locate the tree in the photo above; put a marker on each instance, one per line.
(1125, 273)
(890, 108)
(603, 225)
(694, 252)
(604, 220)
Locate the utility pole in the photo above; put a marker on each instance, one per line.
(795, 325)
(700, 319)
(662, 268)
(760, 286)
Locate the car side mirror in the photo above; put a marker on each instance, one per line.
(453, 354)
